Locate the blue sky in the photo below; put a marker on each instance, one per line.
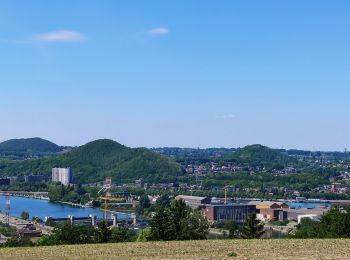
(177, 73)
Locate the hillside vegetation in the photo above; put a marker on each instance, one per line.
(261, 156)
(94, 161)
(34, 145)
(207, 249)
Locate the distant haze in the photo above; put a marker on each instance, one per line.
(181, 73)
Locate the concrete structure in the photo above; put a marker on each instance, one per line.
(91, 219)
(62, 175)
(236, 212)
(194, 201)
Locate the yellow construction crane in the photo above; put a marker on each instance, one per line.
(106, 189)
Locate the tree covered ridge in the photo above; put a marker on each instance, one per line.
(35, 144)
(261, 156)
(95, 160)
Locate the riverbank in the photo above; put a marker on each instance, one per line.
(42, 195)
(19, 223)
(72, 204)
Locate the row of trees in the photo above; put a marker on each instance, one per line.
(75, 194)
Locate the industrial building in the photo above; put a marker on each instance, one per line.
(236, 212)
(62, 175)
(194, 201)
(35, 178)
(270, 210)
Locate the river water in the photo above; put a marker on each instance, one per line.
(43, 208)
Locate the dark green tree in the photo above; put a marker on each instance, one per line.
(179, 222)
(25, 215)
(145, 202)
(252, 228)
(162, 225)
(163, 201)
(180, 214)
(307, 228)
(122, 234)
(18, 241)
(233, 230)
(67, 233)
(103, 233)
(37, 220)
(195, 227)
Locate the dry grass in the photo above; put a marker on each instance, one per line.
(210, 249)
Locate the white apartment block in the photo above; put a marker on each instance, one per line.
(62, 175)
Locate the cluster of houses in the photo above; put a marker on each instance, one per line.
(211, 167)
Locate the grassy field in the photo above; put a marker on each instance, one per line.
(209, 249)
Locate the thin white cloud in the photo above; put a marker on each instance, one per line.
(60, 36)
(158, 31)
(228, 116)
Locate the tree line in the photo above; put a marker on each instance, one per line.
(333, 224)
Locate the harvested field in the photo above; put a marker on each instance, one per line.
(209, 249)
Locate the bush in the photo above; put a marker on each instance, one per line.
(25, 215)
(232, 254)
(144, 235)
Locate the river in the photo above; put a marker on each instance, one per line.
(43, 208)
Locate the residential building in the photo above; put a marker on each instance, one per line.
(62, 175)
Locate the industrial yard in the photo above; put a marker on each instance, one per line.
(208, 249)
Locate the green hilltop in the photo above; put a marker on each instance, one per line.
(94, 161)
(257, 155)
(29, 145)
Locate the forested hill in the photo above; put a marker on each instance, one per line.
(261, 156)
(194, 155)
(31, 145)
(94, 161)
